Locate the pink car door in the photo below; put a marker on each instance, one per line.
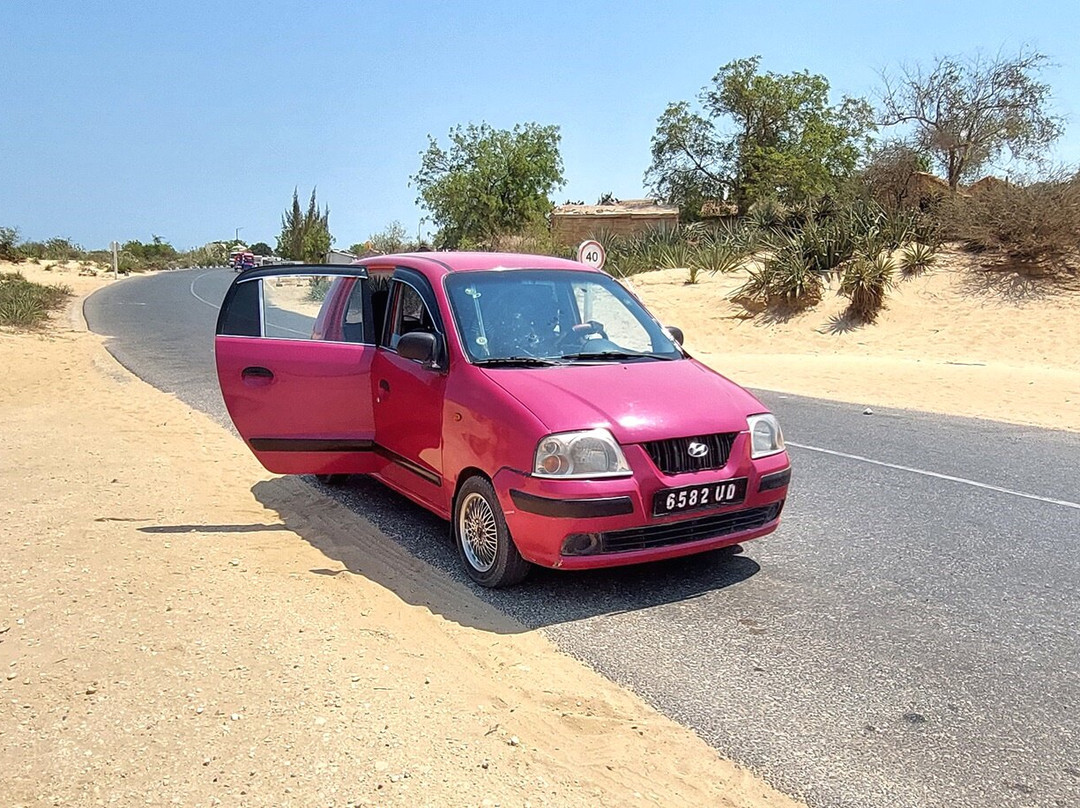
(294, 347)
(409, 394)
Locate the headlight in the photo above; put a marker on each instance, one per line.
(765, 435)
(593, 453)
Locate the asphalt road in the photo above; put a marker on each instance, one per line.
(909, 637)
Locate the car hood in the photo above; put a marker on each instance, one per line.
(637, 401)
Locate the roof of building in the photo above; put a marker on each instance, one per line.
(622, 207)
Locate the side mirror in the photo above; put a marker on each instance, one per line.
(676, 333)
(420, 346)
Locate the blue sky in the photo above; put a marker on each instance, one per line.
(189, 120)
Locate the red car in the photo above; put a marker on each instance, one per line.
(532, 401)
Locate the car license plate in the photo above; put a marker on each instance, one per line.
(695, 497)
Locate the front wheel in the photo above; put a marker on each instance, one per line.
(483, 539)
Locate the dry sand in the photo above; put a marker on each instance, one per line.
(177, 626)
(960, 339)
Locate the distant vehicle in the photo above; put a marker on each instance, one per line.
(243, 260)
(532, 401)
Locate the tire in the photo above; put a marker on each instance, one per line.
(332, 480)
(483, 540)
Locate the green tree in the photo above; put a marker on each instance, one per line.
(967, 111)
(261, 248)
(757, 135)
(489, 182)
(9, 240)
(305, 235)
(391, 239)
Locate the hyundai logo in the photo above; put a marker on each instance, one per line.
(696, 449)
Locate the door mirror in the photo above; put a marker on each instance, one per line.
(676, 333)
(420, 346)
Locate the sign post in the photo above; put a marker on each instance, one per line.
(591, 253)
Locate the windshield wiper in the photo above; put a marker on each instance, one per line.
(614, 356)
(515, 361)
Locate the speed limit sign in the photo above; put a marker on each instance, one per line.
(592, 253)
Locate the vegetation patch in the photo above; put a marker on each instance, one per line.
(27, 305)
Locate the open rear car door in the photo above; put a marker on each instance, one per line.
(294, 346)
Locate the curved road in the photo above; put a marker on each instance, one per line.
(909, 637)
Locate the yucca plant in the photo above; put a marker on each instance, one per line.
(758, 283)
(795, 281)
(768, 213)
(675, 255)
(785, 278)
(718, 257)
(865, 283)
(917, 258)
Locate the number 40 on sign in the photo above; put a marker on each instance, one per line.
(592, 254)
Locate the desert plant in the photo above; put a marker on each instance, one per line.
(717, 257)
(865, 282)
(26, 305)
(318, 286)
(1034, 222)
(917, 258)
(9, 239)
(675, 256)
(768, 213)
(786, 279)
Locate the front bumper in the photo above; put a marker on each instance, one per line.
(579, 524)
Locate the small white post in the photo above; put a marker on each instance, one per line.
(115, 259)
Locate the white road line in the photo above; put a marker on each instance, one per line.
(949, 477)
(195, 294)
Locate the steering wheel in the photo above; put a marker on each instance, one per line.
(580, 332)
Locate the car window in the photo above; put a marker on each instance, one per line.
(353, 326)
(291, 304)
(409, 314)
(301, 306)
(552, 315)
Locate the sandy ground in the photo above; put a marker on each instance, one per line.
(178, 627)
(960, 339)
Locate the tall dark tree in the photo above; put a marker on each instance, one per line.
(305, 235)
(489, 182)
(757, 135)
(968, 111)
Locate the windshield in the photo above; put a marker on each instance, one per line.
(554, 315)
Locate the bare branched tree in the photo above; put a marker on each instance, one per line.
(967, 111)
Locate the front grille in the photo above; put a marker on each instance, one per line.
(672, 456)
(644, 538)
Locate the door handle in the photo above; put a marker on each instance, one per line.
(256, 376)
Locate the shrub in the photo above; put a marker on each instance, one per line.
(718, 256)
(9, 238)
(318, 286)
(768, 213)
(785, 279)
(865, 282)
(26, 305)
(917, 258)
(1035, 222)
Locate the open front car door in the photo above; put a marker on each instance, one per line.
(294, 347)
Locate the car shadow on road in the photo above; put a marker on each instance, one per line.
(408, 550)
